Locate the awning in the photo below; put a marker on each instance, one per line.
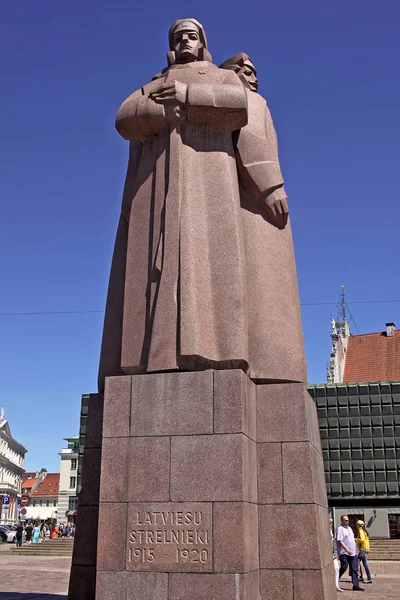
(71, 513)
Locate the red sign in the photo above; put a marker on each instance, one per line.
(24, 501)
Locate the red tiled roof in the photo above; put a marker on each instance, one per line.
(28, 481)
(372, 357)
(49, 486)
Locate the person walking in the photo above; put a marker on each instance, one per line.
(18, 536)
(336, 563)
(28, 533)
(348, 552)
(54, 532)
(36, 534)
(362, 540)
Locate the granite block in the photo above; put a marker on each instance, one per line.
(312, 421)
(94, 423)
(112, 536)
(117, 402)
(135, 469)
(85, 544)
(235, 537)
(147, 586)
(234, 403)
(229, 476)
(303, 474)
(111, 584)
(282, 532)
(269, 466)
(169, 536)
(211, 587)
(276, 585)
(276, 400)
(251, 584)
(90, 481)
(172, 404)
(82, 583)
(315, 585)
(324, 537)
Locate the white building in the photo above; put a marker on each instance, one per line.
(12, 460)
(67, 496)
(41, 491)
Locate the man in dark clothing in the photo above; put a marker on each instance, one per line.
(28, 532)
(19, 532)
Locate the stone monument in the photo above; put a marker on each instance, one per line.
(203, 477)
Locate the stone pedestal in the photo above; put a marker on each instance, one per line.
(211, 487)
(83, 571)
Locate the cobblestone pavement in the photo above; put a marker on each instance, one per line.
(43, 578)
(25, 577)
(383, 587)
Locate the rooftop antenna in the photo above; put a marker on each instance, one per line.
(342, 306)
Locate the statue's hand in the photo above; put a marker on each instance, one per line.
(173, 97)
(275, 207)
(171, 93)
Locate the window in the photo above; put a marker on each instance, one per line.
(47, 502)
(72, 503)
(34, 503)
(54, 502)
(72, 482)
(394, 526)
(73, 463)
(353, 520)
(40, 502)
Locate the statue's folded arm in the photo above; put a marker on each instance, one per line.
(217, 106)
(140, 118)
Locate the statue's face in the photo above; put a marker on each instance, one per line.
(187, 44)
(249, 74)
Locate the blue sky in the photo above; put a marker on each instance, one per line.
(330, 73)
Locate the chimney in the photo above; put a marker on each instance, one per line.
(390, 329)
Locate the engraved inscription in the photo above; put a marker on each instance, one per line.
(170, 537)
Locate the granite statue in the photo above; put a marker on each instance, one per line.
(204, 449)
(203, 273)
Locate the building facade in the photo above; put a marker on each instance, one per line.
(359, 419)
(12, 460)
(41, 490)
(360, 437)
(67, 496)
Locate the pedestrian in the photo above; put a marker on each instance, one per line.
(28, 533)
(348, 552)
(336, 563)
(36, 534)
(18, 536)
(362, 540)
(54, 532)
(68, 530)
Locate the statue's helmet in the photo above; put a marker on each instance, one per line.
(186, 24)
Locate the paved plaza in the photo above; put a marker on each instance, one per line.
(26, 577)
(42, 578)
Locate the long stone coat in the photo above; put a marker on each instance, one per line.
(276, 347)
(184, 304)
(193, 280)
